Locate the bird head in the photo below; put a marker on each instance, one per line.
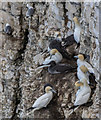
(78, 84)
(80, 56)
(7, 24)
(48, 88)
(58, 35)
(75, 19)
(83, 69)
(28, 5)
(53, 51)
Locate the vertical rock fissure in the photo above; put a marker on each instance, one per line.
(65, 16)
(18, 62)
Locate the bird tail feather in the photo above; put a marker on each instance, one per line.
(34, 109)
(73, 69)
(78, 44)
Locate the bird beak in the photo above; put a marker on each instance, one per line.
(78, 84)
(75, 56)
(42, 67)
(53, 91)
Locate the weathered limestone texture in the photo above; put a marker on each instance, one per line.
(20, 82)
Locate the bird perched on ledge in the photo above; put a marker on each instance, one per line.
(77, 31)
(8, 30)
(43, 100)
(81, 61)
(55, 55)
(93, 73)
(83, 94)
(60, 68)
(30, 11)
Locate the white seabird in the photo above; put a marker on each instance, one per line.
(43, 100)
(89, 76)
(81, 61)
(77, 31)
(30, 11)
(83, 94)
(8, 29)
(55, 55)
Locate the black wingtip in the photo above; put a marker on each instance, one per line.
(78, 44)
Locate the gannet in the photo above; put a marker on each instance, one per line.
(60, 68)
(55, 55)
(43, 100)
(8, 29)
(30, 11)
(81, 61)
(83, 94)
(77, 31)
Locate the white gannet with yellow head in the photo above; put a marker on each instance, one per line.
(55, 55)
(81, 61)
(89, 76)
(43, 100)
(77, 31)
(82, 72)
(83, 94)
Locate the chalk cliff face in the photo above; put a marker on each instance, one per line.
(20, 82)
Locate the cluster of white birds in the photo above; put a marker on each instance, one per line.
(57, 53)
(84, 70)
